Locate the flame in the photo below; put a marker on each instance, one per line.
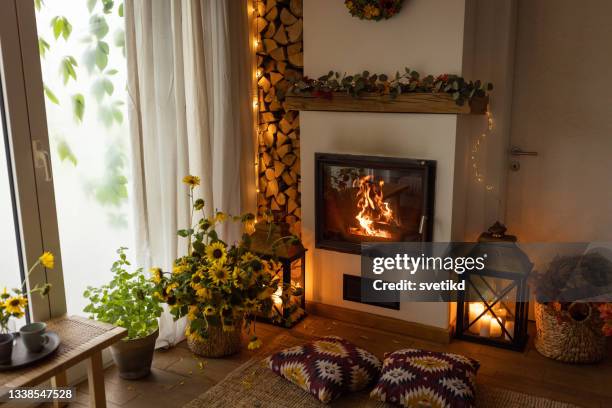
(373, 210)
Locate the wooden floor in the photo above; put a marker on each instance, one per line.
(178, 376)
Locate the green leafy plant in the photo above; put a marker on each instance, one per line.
(409, 81)
(126, 301)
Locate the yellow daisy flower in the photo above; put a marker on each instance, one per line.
(191, 181)
(156, 275)
(219, 274)
(47, 260)
(14, 305)
(216, 253)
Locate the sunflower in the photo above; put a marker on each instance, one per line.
(203, 294)
(248, 257)
(156, 275)
(193, 312)
(219, 274)
(180, 268)
(47, 260)
(14, 305)
(221, 217)
(254, 344)
(191, 181)
(171, 287)
(209, 311)
(216, 253)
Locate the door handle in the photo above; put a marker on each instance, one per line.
(42, 159)
(517, 151)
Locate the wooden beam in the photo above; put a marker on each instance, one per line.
(406, 103)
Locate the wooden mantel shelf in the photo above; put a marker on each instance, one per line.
(405, 103)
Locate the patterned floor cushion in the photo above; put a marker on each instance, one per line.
(327, 367)
(419, 378)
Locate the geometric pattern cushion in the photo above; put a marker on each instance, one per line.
(419, 378)
(327, 367)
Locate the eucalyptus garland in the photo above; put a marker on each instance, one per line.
(409, 81)
(373, 9)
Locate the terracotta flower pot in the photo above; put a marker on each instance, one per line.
(219, 343)
(6, 348)
(134, 357)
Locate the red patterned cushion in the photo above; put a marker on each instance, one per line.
(327, 367)
(419, 378)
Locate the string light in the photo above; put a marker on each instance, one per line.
(256, 74)
(475, 156)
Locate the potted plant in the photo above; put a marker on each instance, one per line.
(127, 301)
(569, 330)
(218, 286)
(13, 304)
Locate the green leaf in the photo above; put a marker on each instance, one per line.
(50, 95)
(65, 153)
(67, 69)
(89, 59)
(61, 26)
(120, 10)
(108, 86)
(91, 4)
(38, 4)
(111, 72)
(107, 6)
(98, 26)
(43, 47)
(118, 115)
(57, 23)
(102, 55)
(78, 105)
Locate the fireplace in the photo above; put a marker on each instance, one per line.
(372, 199)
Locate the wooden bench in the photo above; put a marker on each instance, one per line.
(81, 339)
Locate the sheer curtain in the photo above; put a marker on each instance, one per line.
(190, 112)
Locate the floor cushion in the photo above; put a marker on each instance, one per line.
(420, 378)
(327, 367)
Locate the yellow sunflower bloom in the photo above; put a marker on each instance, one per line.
(210, 311)
(47, 260)
(216, 253)
(203, 293)
(171, 287)
(191, 181)
(248, 227)
(219, 274)
(254, 344)
(156, 275)
(15, 305)
(220, 217)
(180, 268)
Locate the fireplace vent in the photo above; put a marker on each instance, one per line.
(351, 291)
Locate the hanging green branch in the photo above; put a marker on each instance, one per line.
(67, 68)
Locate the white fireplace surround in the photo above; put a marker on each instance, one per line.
(335, 40)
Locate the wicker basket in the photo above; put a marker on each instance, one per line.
(569, 341)
(219, 343)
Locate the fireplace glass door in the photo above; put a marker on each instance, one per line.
(372, 199)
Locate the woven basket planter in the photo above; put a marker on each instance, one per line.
(219, 343)
(569, 341)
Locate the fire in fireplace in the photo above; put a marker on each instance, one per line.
(372, 199)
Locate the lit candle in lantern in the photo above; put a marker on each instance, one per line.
(496, 328)
(475, 310)
(501, 313)
(485, 326)
(278, 301)
(510, 329)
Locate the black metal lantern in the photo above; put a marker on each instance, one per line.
(494, 307)
(288, 303)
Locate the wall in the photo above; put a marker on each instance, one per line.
(428, 36)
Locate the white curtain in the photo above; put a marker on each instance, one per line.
(190, 112)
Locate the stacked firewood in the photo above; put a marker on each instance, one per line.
(279, 61)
